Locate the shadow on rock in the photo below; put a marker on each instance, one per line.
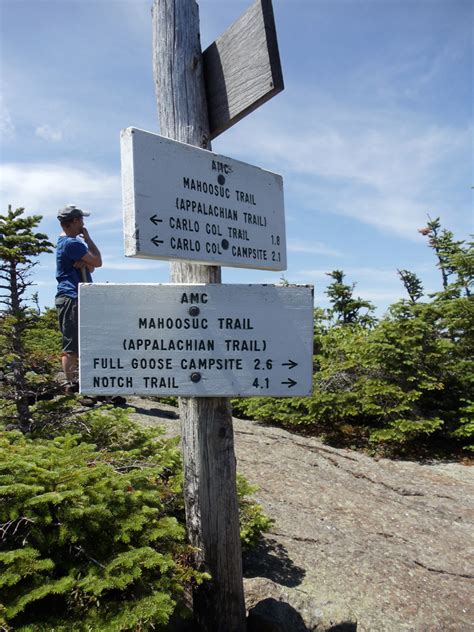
(271, 615)
(155, 412)
(270, 559)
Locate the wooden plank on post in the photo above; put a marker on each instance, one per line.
(242, 68)
(210, 490)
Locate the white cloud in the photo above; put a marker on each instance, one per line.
(411, 69)
(382, 156)
(381, 296)
(7, 128)
(49, 133)
(133, 264)
(45, 187)
(313, 247)
(387, 169)
(356, 274)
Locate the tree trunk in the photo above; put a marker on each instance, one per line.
(19, 371)
(207, 433)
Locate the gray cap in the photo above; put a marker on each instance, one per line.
(70, 212)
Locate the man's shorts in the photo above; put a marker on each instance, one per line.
(66, 308)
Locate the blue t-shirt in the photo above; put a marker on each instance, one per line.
(68, 251)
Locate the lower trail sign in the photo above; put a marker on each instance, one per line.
(205, 340)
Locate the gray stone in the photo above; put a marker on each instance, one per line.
(358, 543)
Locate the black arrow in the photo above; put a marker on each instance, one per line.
(290, 363)
(155, 219)
(157, 241)
(290, 382)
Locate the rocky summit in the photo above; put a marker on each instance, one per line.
(358, 544)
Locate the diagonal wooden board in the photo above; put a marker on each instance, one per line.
(242, 68)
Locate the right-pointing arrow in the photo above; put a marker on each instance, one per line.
(290, 364)
(290, 382)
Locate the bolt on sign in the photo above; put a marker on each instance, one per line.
(185, 203)
(207, 340)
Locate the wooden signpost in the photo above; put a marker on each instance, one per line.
(241, 70)
(182, 202)
(212, 514)
(198, 341)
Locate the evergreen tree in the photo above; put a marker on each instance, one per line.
(406, 383)
(20, 246)
(454, 259)
(463, 263)
(347, 310)
(92, 533)
(92, 539)
(412, 284)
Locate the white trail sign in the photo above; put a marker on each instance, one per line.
(207, 340)
(183, 202)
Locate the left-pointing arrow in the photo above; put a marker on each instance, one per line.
(290, 382)
(157, 241)
(155, 219)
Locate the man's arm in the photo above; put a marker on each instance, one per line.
(82, 264)
(92, 257)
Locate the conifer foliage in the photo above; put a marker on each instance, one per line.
(345, 308)
(402, 384)
(20, 246)
(92, 534)
(92, 539)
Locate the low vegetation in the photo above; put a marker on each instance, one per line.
(92, 525)
(92, 533)
(401, 385)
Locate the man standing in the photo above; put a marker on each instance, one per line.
(75, 261)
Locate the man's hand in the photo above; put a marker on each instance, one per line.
(93, 256)
(85, 234)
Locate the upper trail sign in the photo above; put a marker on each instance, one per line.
(185, 203)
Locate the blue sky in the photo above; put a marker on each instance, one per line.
(372, 132)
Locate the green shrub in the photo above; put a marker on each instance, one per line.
(89, 537)
(253, 520)
(92, 532)
(465, 431)
(406, 381)
(42, 339)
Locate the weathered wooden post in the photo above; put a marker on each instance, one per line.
(172, 191)
(207, 433)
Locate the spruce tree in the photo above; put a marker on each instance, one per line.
(412, 284)
(346, 309)
(20, 246)
(455, 259)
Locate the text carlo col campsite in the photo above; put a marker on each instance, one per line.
(196, 340)
(182, 202)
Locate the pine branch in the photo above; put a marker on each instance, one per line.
(6, 526)
(81, 550)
